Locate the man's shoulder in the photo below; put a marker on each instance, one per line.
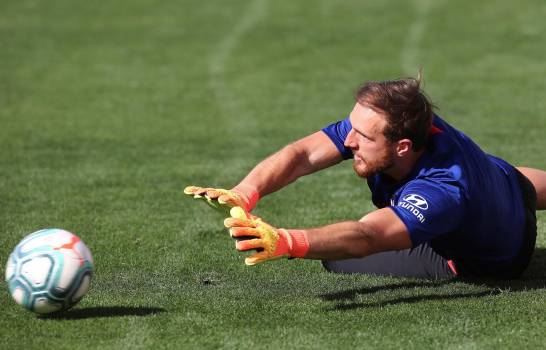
(437, 185)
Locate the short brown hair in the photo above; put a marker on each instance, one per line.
(408, 110)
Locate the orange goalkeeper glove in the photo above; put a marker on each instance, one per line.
(223, 200)
(271, 243)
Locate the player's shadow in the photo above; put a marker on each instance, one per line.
(427, 290)
(367, 297)
(108, 311)
(534, 276)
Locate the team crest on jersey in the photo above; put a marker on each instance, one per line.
(415, 204)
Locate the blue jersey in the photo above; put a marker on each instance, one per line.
(465, 203)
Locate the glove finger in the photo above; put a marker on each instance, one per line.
(249, 244)
(214, 193)
(190, 190)
(260, 257)
(199, 192)
(231, 200)
(237, 232)
(212, 200)
(240, 213)
(235, 222)
(257, 258)
(203, 191)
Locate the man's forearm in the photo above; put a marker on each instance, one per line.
(305, 156)
(338, 241)
(378, 231)
(275, 172)
(343, 240)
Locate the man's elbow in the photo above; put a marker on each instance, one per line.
(373, 237)
(365, 242)
(299, 158)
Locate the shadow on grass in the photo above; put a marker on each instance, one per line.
(533, 278)
(352, 294)
(415, 299)
(96, 312)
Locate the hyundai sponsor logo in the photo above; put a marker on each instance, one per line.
(414, 203)
(416, 200)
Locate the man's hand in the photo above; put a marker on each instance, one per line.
(271, 243)
(222, 199)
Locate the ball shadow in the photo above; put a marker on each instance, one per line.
(108, 311)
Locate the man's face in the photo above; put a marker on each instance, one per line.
(372, 152)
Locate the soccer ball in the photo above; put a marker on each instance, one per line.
(49, 270)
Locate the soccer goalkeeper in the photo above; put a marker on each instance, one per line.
(444, 207)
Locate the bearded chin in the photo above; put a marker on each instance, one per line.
(373, 169)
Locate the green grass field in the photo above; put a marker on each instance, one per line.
(109, 109)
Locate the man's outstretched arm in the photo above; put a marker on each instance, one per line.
(381, 230)
(305, 156)
(378, 231)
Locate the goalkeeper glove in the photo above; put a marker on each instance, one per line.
(222, 199)
(271, 243)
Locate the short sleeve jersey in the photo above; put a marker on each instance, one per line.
(465, 203)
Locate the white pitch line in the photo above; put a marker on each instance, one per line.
(409, 56)
(217, 65)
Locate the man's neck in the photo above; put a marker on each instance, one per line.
(403, 168)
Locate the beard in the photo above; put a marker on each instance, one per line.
(367, 168)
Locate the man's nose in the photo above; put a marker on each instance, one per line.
(349, 142)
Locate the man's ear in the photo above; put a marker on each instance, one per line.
(403, 147)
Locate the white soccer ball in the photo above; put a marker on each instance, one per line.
(49, 270)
